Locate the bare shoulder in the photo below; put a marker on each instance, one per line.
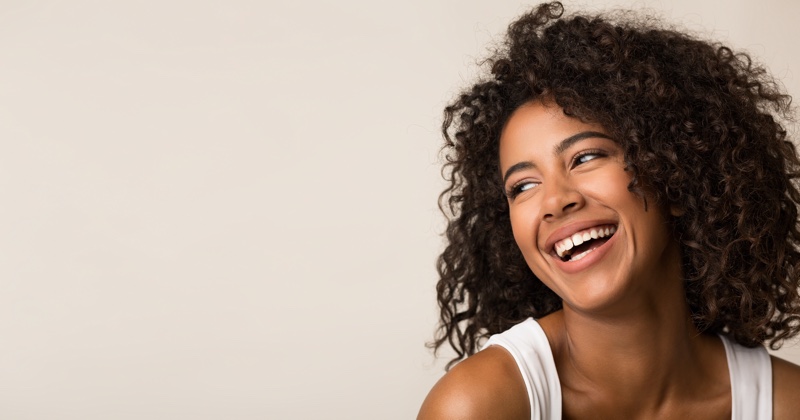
(785, 382)
(487, 385)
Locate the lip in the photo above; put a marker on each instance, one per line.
(571, 229)
(572, 267)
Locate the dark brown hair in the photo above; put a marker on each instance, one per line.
(701, 126)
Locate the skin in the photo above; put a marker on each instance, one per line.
(624, 344)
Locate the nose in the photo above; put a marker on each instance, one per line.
(560, 198)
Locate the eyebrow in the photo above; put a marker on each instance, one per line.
(560, 148)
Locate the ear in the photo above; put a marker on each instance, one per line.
(676, 211)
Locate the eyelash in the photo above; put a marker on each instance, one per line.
(516, 189)
(591, 152)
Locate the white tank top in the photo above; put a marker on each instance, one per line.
(750, 371)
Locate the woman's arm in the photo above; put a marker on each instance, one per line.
(487, 385)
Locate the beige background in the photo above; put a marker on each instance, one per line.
(226, 209)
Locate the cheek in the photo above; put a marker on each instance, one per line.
(517, 226)
(524, 227)
(611, 189)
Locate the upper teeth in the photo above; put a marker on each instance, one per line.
(578, 238)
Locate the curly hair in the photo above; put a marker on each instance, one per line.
(701, 127)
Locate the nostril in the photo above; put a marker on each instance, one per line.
(560, 200)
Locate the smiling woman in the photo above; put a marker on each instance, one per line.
(623, 229)
(571, 185)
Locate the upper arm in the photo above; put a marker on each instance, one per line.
(487, 385)
(453, 398)
(785, 384)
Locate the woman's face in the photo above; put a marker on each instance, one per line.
(579, 228)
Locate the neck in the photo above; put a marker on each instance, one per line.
(638, 357)
(628, 352)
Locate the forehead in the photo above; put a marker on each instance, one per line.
(535, 129)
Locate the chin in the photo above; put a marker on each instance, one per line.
(597, 296)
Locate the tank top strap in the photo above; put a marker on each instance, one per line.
(530, 348)
(751, 381)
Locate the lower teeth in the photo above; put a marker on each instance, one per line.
(581, 255)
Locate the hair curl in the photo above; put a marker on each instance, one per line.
(701, 127)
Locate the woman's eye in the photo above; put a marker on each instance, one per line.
(587, 156)
(520, 188)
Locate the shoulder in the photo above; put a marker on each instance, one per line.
(785, 382)
(484, 386)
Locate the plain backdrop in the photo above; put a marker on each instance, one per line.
(227, 209)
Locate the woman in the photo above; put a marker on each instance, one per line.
(623, 224)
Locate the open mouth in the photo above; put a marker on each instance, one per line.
(580, 244)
